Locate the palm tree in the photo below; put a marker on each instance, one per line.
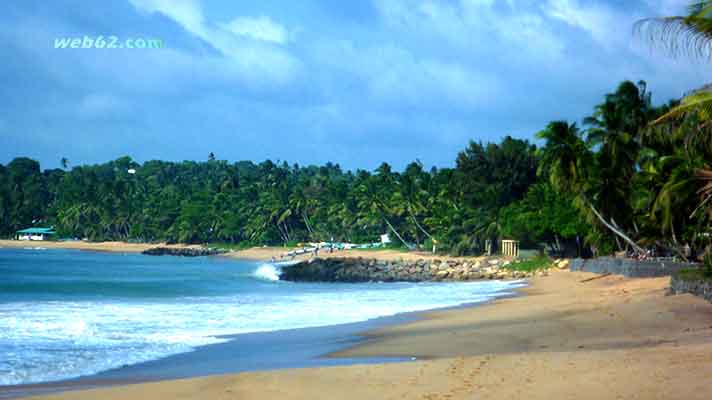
(689, 35)
(614, 131)
(564, 156)
(566, 159)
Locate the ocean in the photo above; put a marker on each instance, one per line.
(67, 313)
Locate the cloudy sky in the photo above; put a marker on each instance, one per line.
(354, 82)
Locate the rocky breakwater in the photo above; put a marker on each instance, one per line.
(183, 251)
(422, 270)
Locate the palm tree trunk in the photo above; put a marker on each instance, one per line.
(285, 239)
(616, 231)
(618, 243)
(395, 231)
(417, 224)
(306, 222)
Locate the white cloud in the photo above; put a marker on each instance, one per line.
(608, 27)
(234, 40)
(260, 28)
(186, 12)
(483, 25)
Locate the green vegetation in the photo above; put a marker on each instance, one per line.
(633, 176)
(616, 184)
(530, 265)
(692, 274)
(255, 204)
(707, 266)
(228, 246)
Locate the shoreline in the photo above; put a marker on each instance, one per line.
(318, 347)
(264, 254)
(313, 347)
(251, 254)
(565, 338)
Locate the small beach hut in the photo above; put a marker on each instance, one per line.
(35, 233)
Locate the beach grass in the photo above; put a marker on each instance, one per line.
(530, 265)
(229, 246)
(694, 274)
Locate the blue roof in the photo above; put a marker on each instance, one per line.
(46, 231)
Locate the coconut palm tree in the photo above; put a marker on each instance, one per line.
(689, 35)
(567, 161)
(564, 156)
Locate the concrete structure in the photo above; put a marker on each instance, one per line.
(35, 233)
(629, 267)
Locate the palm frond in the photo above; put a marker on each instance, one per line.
(699, 103)
(689, 35)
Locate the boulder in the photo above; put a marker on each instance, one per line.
(443, 273)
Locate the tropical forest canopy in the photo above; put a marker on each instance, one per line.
(616, 182)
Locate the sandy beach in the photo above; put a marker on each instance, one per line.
(568, 337)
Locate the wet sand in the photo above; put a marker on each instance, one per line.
(568, 338)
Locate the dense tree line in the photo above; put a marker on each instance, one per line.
(266, 203)
(633, 177)
(616, 184)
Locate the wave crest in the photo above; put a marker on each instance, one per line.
(267, 272)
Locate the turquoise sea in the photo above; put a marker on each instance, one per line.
(68, 313)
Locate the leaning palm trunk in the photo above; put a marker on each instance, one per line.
(305, 217)
(618, 232)
(381, 208)
(395, 232)
(415, 220)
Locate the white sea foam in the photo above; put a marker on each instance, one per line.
(52, 340)
(268, 272)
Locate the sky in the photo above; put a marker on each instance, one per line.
(311, 81)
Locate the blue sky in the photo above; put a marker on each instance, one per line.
(352, 82)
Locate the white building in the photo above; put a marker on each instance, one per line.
(35, 233)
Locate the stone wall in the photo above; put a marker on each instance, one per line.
(627, 267)
(367, 270)
(698, 287)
